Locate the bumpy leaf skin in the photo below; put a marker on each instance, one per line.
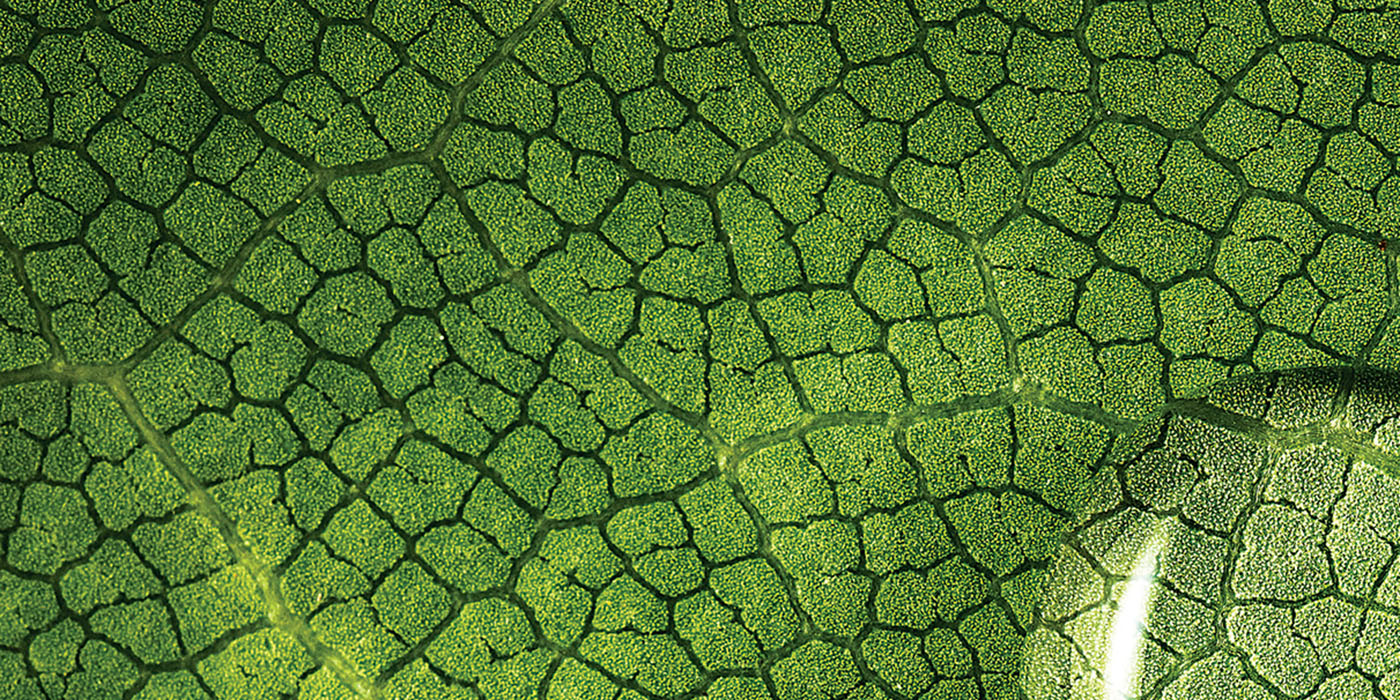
(635, 349)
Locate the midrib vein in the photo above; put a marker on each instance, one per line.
(268, 583)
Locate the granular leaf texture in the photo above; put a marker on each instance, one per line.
(693, 349)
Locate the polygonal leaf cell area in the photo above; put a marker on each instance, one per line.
(697, 349)
(1241, 542)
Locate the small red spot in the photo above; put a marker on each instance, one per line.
(1382, 244)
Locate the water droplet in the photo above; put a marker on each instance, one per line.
(1242, 546)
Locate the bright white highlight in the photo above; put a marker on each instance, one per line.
(1125, 644)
